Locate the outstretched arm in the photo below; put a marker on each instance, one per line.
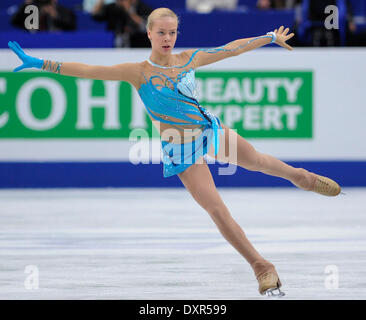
(122, 72)
(203, 57)
(128, 72)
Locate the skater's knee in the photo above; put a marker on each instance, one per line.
(215, 210)
(218, 213)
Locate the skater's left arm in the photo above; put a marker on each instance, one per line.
(201, 57)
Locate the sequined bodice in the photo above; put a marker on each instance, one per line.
(170, 97)
(187, 84)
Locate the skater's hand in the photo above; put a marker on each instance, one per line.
(282, 37)
(28, 61)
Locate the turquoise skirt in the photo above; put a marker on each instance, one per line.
(178, 157)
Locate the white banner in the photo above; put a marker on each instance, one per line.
(339, 109)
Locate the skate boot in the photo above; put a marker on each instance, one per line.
(320, 184)
(268, 280)
(326, 186)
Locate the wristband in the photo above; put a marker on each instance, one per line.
(52, 66)
(274, 37)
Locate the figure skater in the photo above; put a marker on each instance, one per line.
(166, 85)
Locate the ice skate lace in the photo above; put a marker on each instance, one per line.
(266, 275)
(324, 185)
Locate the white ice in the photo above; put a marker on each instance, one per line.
(160, 244)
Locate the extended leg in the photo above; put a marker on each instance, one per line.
(198, 181)
(236, 150)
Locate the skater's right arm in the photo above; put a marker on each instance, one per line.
(128, 72)
(121, 72)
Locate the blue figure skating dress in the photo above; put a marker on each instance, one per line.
(187, 129)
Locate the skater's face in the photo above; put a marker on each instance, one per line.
(163, 35)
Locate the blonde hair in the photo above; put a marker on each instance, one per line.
(160, 13)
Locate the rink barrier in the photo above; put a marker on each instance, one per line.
(127, 175)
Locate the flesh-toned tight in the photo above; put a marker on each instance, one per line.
(199, 182)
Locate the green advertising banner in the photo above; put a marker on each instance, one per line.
(44, 105)
(260, 104)
(256, 104)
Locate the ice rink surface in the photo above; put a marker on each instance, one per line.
(159, 244)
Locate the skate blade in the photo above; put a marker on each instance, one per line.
(274, 292)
